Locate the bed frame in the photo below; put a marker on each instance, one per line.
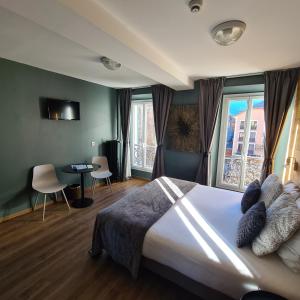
(183, 281)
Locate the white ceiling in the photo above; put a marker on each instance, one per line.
(159, 40)
(26, 42)
(270, 40)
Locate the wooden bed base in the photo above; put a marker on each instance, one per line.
(183, 281)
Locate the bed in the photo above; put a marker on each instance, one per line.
(195, 238)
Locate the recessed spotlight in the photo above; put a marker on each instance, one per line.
(228, 32)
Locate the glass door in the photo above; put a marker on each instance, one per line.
(143, 139)
(241, 150)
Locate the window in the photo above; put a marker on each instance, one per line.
(239, 149)
(143, 140)
(241, 153)
(252, 137)
(241, 136)
(253, 125)
(251, 149)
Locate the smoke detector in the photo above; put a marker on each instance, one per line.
(110, 64)
(195, 5)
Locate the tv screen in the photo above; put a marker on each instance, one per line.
(63, 110)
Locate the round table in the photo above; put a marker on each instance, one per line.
(83, 202)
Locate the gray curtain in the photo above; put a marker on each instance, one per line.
(209, 100)
(280, 88)
(124, 98)
(162, 98)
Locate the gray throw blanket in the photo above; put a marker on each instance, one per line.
(120, 228)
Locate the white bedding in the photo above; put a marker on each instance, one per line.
(196, 237)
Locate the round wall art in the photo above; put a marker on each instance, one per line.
(183, 128)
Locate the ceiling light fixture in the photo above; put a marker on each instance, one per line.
(110, 64)
(228, 32)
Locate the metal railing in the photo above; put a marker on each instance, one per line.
(233, 167)
(143, 156)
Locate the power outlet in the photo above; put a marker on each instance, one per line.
(93, 143)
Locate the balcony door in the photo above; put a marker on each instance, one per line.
(143, 139)
(241, 150)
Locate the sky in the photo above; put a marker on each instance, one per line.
(239, 106)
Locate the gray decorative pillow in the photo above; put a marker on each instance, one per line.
(270, 189)
(292, 188)
(251, 224)
(283, 220)
(289, 252)
(250, 196)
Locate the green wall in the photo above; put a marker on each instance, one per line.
(27, 139)
(183, 165)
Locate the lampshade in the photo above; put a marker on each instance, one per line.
(228, 32)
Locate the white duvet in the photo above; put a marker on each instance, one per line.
(196, 237)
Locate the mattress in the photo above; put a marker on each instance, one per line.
(196, 237)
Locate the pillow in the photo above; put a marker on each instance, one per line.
(270, 189)
(250, 196)
(289, 252)
(292, 188)
(283, 220)
(251, 224)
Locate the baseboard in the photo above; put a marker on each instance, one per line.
(142, 178)
(29, 210)
(23, 212)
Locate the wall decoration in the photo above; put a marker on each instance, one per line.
(183, 128)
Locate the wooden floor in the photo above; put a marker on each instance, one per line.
(49, 260)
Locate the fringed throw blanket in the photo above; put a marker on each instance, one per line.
(120, 228)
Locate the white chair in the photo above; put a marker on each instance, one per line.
(102, 173)
(45, 181)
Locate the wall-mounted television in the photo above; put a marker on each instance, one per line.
(63, 109)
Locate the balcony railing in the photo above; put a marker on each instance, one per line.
(143, 156)
(233, 166)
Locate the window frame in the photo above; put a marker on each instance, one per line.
(139, 101)
(223, 134)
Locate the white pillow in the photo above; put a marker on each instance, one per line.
(289, 252)
(270, 189)
(283, 220)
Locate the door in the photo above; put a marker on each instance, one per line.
(143, 139)
(241, 150)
